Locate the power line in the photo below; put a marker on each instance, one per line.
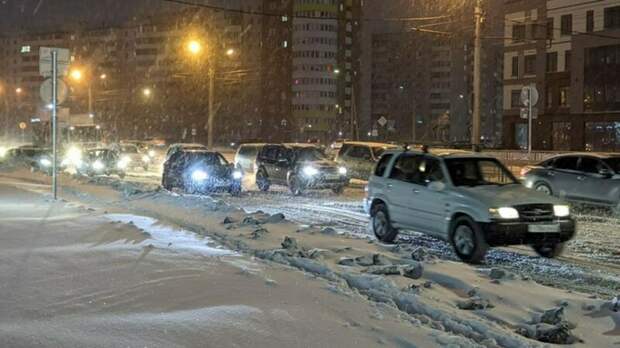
(273, 14)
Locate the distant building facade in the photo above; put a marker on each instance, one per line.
(570, 50)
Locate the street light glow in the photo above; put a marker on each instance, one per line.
(194, 47)
(18, 90)
(103, 76)
(76, 74)
(146, 92)
(230, 52)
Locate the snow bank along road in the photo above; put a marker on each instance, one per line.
(504, 281)
(72, 277)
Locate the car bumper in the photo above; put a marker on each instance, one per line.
(213, 185)
(499, 233)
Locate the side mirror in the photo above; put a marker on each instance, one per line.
(436, 186)
(605, 172)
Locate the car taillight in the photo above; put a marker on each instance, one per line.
(525, 170)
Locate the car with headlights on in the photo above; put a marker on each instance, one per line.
(183, 146)
(299, 167)
(200, 171)
(467, 199)
(132, 158)
(589, 178)
(102, 162)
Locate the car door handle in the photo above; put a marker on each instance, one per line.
(389, 186)
(416, 191)
(581, 178)
(550, 173)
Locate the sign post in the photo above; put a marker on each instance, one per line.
(52, 63)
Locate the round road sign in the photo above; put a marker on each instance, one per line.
(46, 91)
(529, 93)
(22, 125)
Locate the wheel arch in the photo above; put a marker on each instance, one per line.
(375, 202)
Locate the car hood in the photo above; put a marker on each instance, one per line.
(506, 196)
(320, 164)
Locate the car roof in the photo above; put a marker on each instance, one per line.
(301, 145)
(199, 151)
(443, 153)
(253, 144)
(187, 145)
(588, 154)
(369, 143)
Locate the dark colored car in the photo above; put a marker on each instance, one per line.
(299, 167)
(200, 171)
(590, 178)
(102, 162)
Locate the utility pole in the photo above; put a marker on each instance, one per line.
(210, 132)
(475, 129)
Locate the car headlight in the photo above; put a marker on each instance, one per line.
(561, 210)
(3, 151)
(342, 171)
(310, 171)
(122, 164)
(504, 213)
(44, 162)
(199, 175)
(98, 165)
(237, 174)
(74, 156)
(146, 159)
(151, 153)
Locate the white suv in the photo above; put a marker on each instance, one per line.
(468, 199)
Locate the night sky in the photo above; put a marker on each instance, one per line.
(58, 14)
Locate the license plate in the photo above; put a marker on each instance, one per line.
(546, 228)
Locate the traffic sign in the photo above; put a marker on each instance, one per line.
(45, 61)
(22, 125)
(382, 121)
(525, 111)
(529, 93)
(194, 131)
(46, 91)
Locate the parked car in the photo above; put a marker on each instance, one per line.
(183, 146)
(102, 162)
(42, 162)
(589, 178)
(361, 157)
(200, 171)
(132, 158)
(467, 199)
(299, 167)
(245, 158)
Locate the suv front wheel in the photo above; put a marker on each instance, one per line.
(381, 225)
(295, 185)
(262, 182)
(468, 240)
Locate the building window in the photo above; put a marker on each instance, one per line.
(515, 98)
(612, 17)
(548, 98)
(515, 66)
(564, 97)
(561, 136)
(552, 61)
(521, 135)
(550, 29)
(530, 65)
(602, 136)
(601, 90)
(567, 56)
(590, 21)
(518, 32)
(566, 25)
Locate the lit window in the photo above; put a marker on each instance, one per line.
(25, 49)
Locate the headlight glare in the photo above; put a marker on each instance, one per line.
(310, 171)
(504, 213)
(98, 165)
(45, 162)
(3, 151)
(561, 210)
(342, 171)
(146, 159)
(151, 153)
(199, 175)
(237, 174)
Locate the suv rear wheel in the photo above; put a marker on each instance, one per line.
(544, 188)
(468, 240)
(549, 250)
(262, 182)
(381, 225)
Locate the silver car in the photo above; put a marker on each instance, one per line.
(581, 177)
(465, 198)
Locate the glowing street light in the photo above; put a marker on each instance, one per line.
(146, 92)
(76, 74)
(18, 90)
(230, 52)
(103, 76)
(194, 47)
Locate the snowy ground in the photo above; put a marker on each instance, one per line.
(583, 281)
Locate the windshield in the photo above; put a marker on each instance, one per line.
(310, 154)
(208, 159)
(379, 150)
(614, 163)
(478, 171)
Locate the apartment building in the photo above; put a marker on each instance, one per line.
(569, 50)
